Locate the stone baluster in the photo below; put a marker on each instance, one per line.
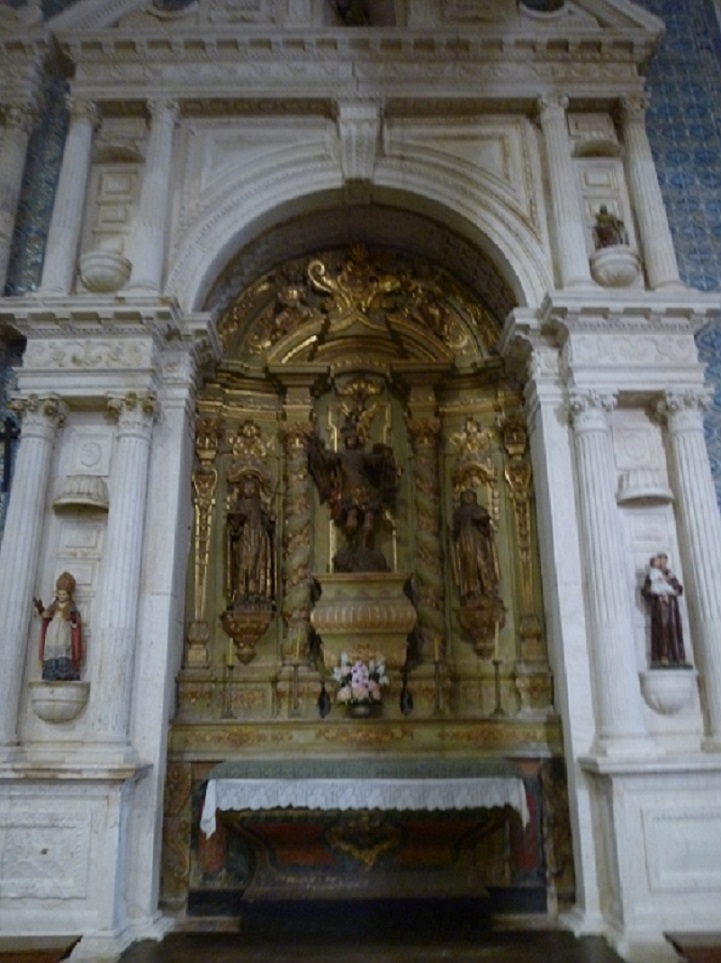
(570, 231)
(147, 249)
(620, 723)
(658, 252)
(424, 436)
(114, 640)
(700, 537)
(13, 148)
(64, 233)
(21, 547)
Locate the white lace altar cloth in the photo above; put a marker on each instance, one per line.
(484, 792)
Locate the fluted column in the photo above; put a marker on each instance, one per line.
(568, 217)
(619, 714)
(114, 639)
(21, 546)
(424, 435)
(64, 232)
(147, 248)
(700, 536)
(13, 148)
(658, 252)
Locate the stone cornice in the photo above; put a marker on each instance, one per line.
(403, 64)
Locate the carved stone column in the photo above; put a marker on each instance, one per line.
(648, 206)
(424, 435)
(147, 249)
(620, 724)
(21, 545)
(120, 581)
(64, 233)
(297, 543)
(700, 537)
(568, 218)
(13, 148)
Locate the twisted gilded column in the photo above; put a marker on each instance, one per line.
(569, 224)
(147, 248)
(297, 543)
(619, 714)
(64, 233)
(424, 435)
(700, 536)
(21, 547)
(114, 639)
(658, 252)
(13, 148)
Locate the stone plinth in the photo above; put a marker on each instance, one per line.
(366, 614)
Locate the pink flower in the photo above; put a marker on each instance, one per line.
(344, 694)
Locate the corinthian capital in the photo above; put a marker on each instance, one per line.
(689, 401)
(82, 109)
(47, 412)
(589, 409)
(21, 117)
(633, 108)
(135, 413)
(552, 107)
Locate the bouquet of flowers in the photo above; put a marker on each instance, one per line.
(360, 684)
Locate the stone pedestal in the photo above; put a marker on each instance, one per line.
(366, 614)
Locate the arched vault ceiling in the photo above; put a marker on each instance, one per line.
(374, 226)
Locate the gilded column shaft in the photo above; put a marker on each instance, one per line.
(297, 543)
(21, 548)
(700, 534)
(659, 254)
(620, 716)
(65, 223)
(568, 216)
(117, 620)
(424, 436)
(148, 247)
(18, 126)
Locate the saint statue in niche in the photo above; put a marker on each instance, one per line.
(250, 530)
(358, 485)
(661, 591)
(475, 562)
(61, 643)
(609, 230)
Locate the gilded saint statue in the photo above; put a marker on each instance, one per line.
(61, 642)
(475, 562)
(250, 530)
(662, 590)
(358, 486)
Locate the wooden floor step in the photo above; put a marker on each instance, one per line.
(697, 947)
(36, 949)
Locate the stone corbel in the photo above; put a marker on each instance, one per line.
(359, 131)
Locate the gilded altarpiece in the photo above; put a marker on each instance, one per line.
(363, 493)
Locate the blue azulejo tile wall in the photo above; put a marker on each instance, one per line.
(684, 125)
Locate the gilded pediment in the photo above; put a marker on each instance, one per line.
(349, 306)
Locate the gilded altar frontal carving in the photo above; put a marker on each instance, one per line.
(362, 487)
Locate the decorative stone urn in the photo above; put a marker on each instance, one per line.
(366, 614)
(103, 272)
(667, 691)
(59, 701)
(616, 266)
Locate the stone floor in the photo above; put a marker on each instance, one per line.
(428, 932)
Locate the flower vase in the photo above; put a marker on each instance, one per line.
(362, 710)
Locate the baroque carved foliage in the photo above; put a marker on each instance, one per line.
(396, 303)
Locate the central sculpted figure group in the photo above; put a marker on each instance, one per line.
(358, 486)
